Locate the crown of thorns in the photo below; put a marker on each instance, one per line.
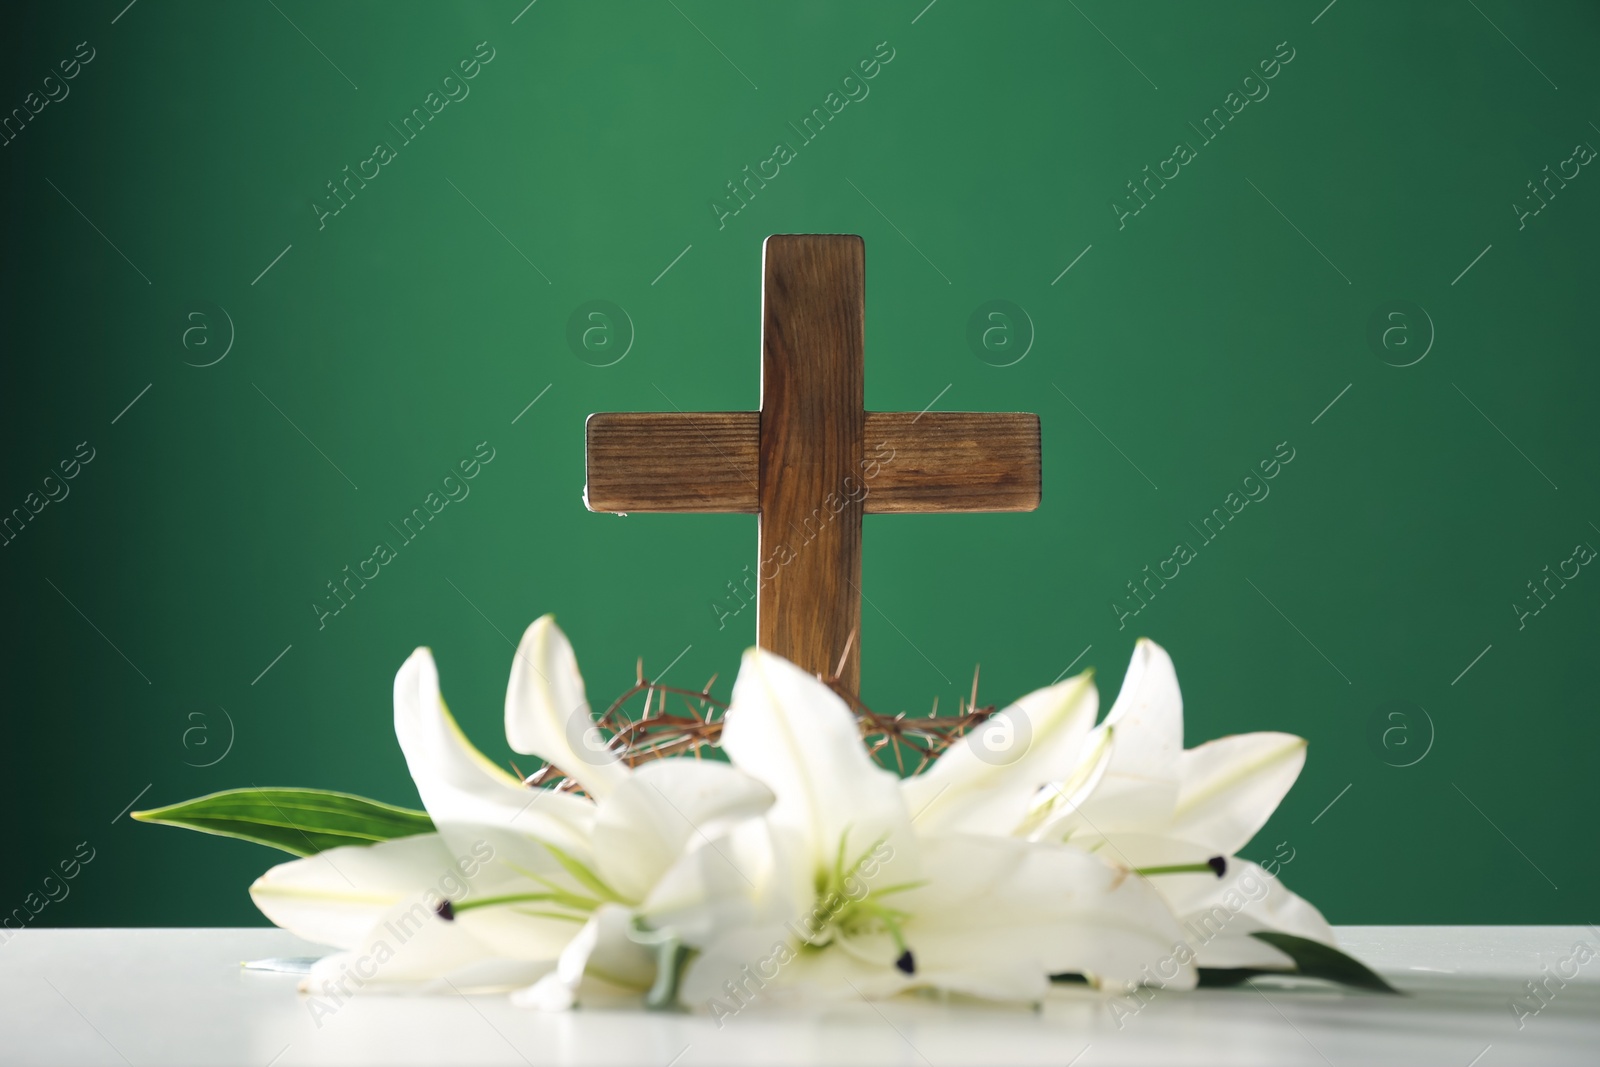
(660, 731)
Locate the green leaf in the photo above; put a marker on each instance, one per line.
(1222, 977)
(299, 821)
(1313, 959)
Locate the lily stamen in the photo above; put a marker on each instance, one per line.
(1217, 865)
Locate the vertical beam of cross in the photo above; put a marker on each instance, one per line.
(813, 425)
(811, 462)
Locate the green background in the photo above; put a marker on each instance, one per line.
(1199, 336)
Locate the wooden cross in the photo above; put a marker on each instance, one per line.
(812, 461)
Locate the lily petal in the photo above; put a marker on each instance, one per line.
(1140, 786)
(480, 810)
(1232, 785)
(547, 711)
(1219, 915)
(558, 990)
(601, 950)
(643, 826)
(995, 918)
(985, 783)
(336, 896)
(738, 952)
(787, 729)
(998, 910)
(752, 875)
(459, 784)
(1052, 815)
(409, 946)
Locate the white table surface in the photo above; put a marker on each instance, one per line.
(176, 997)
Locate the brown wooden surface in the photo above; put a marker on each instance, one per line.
(811, 462)
(938, 461)
(812, 427)
(673, 461)
(952, 461)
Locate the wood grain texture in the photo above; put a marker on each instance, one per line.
(812, 462)
(938, 461)
(673, 461)
(951, 461)
(812, 429)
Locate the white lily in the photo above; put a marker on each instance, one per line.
(519, 883)
(1154, 806)
(876, 905)
(986, 784)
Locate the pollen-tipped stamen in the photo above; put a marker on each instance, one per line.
(906, 962)
(1217, 865)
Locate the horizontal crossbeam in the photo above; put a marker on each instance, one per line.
(935, 461)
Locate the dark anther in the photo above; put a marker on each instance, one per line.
(445, 911)
(907, 963)
(1218, 864)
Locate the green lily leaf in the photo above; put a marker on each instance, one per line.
(1223, 977)
(298, 821)
(1312, 959)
